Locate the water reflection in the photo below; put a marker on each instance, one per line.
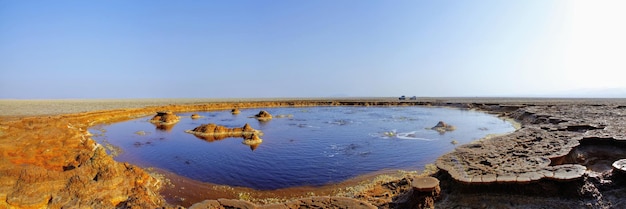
(164, 128)
(254, 146)
(212, 138)
(252, 143)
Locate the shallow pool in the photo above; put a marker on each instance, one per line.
(301, 146)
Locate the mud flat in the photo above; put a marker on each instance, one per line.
(558, 158)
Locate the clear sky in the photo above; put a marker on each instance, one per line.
(319, 48)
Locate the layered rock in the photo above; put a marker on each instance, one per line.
(523, 156)
(535, 152)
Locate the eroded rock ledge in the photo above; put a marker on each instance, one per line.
(557, 142)
(528, 154)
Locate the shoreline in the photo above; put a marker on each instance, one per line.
(74, 122)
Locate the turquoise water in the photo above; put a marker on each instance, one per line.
(308, 146)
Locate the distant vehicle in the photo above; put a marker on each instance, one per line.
(402, 98)
(413, 98)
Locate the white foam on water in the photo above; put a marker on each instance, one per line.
(412, 135)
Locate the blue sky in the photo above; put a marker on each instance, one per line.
(234, 49)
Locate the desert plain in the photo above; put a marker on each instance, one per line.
(565, 154)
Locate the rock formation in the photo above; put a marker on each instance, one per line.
(165, 118)
(253, 139)
(442, 127)
(212, 129)
(195, 116)
(536, 150)
(60, 166)
(235, 111)
(263, 116)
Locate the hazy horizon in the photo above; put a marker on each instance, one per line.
(277, 49)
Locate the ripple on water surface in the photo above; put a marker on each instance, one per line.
(313, 146)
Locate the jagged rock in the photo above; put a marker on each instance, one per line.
(165, 118)
(263, 116)
(442, 127)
